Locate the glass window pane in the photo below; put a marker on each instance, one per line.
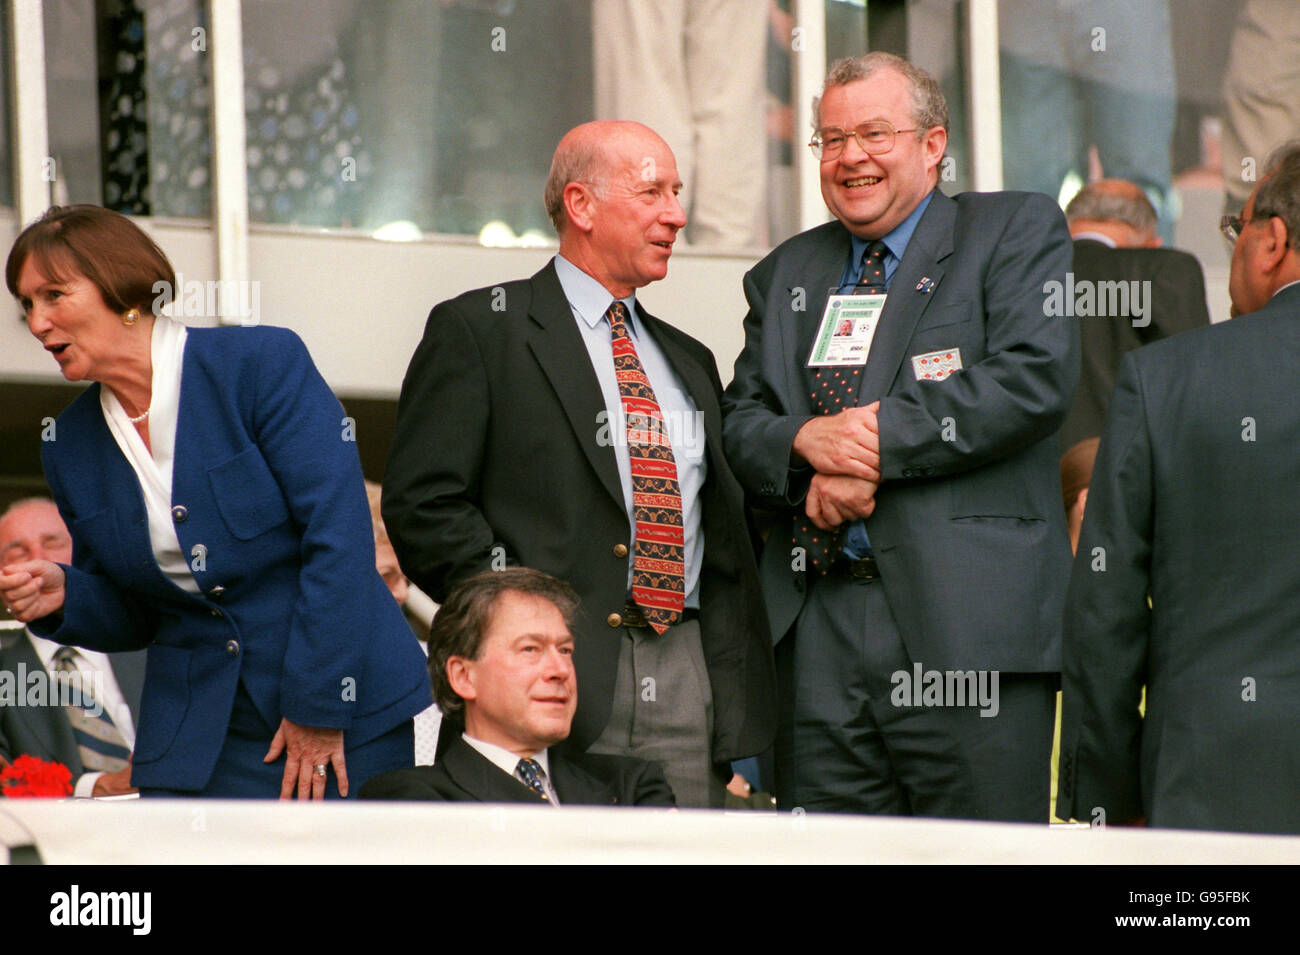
(128, 98)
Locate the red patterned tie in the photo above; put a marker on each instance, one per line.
(658, 559)
(835, 389)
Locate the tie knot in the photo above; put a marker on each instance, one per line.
(530, 771)
(65, 655)
(617, 316)
(873, 266)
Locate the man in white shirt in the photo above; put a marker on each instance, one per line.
(501, 657)
(94, 741)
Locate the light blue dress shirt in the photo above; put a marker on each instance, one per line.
(856, 543)
(683, 420)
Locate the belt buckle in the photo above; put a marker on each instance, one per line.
(864, 568)
(633, 616)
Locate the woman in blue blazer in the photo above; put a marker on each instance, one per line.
(215, 498)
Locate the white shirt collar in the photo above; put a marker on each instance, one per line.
(503, 758)
(1096, 237)
(588, 298)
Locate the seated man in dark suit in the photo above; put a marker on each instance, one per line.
(93, 733)
(1127, 292)
(501, 657)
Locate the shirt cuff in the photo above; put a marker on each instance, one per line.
(85, 787)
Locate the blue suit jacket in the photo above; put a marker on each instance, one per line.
(269, 508)
(968, 528)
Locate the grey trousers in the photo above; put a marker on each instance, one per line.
(663, 711)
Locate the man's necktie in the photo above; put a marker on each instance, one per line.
(530, 771)
(659, 556)
(835, 389)
(100, 743)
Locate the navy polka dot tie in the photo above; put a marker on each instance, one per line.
(833, 390)
(530, 771)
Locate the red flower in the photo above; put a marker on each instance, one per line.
(28, 776)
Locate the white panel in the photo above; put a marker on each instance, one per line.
(984, 90)
(31, 132)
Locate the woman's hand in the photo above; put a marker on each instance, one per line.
(32, 589)
(306, 748)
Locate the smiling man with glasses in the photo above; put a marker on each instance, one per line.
(895, 406)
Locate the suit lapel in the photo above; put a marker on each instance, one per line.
(821, 269)
(930, 244)
(479, 777)
(562, 354)
(576, 787)
(122, 488)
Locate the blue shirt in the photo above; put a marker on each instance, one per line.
(683, 420)
(856, 542)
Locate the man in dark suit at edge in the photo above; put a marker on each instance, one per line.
(1186, 579)
(501, 658)
(1160, 292)
(918, 521)
(553, 423)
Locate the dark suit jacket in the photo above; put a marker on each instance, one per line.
(498, 456)
(44, 731)
(462, 774)
(968, 528)
(1195, 501)
(266, 489)
(1176, 304)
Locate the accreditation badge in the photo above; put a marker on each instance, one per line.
(848, 326)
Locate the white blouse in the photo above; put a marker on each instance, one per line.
(154, 471)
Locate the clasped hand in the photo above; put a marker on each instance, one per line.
(32, 589)
(844, 450)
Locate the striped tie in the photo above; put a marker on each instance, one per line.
(659, 557)
(100, 743)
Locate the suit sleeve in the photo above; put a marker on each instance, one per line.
(1019, 392)
(757, 435)
(96, 614)
(432, 488)
(298, 426)
(650, 786)
(1108, 619)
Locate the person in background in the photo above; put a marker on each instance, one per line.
(1185, 579)
(93, 732)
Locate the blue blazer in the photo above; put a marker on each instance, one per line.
(270, 511)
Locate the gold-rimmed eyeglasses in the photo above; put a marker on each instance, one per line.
(875, 138)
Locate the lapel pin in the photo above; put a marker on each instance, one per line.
(926, 285)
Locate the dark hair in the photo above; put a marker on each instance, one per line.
(463, 619)
(105, 246)
(1279, 190)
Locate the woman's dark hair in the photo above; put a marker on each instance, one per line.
(105, 246)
